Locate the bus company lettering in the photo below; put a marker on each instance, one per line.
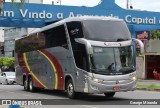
(112, 44)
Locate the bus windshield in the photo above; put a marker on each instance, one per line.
(106, 30)
(112, 61)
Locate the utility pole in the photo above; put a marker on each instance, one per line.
(127, 5)
(52, 2)
(1, 5)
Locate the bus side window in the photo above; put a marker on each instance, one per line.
(74, 30)
(56, 37)
(30, 43)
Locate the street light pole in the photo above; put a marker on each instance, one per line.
(1, 5)
(127, 4)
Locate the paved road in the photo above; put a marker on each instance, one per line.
(84, 101)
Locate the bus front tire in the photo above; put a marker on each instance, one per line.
(70, 89)
(109, 94)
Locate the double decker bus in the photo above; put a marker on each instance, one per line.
(78, 55)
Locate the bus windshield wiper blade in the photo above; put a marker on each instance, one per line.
(121, 39)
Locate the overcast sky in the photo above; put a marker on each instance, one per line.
(149, 5)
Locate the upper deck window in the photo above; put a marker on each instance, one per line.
(106, 30)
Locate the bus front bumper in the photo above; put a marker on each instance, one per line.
(94, 87)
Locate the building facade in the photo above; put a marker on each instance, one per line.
(9, 39)
(10, 34)
(1, 42)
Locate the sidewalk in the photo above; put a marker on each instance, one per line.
(149, 83)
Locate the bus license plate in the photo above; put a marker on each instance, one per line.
(117, 88)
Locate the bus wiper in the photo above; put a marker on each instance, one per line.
(121, 39)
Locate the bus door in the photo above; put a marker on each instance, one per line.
(81, 61)
(79, 52)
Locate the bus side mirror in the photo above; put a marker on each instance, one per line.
(86, 43)
(140, 43)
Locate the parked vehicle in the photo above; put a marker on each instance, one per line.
(8, 78)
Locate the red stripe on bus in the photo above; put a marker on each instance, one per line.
(58, 68)
(22, 63)
(25, 69)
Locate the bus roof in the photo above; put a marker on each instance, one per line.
(81, 18)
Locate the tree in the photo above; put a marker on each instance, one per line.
(2, 2)
(158, 35)
(153, 34)
(7, 62)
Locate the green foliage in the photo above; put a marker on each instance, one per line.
(158, 35)
(155, 34)
(5, 61)
(148, 86)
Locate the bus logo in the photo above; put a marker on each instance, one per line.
(117, 82)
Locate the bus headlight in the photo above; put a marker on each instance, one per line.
(133, 78)
(95, 80)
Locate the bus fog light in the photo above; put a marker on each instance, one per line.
(97, 80)
(94, 87)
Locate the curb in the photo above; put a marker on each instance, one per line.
(147, 89)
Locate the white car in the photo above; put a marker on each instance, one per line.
(8, 78)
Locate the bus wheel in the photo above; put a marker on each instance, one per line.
(26, 86)
(70, 89)
(110, 94)
(31, 86)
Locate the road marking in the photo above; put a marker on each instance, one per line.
(27, 95)
(10, 92)
(89, 106)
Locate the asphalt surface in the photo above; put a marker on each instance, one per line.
(60, 100)
(17, 92)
